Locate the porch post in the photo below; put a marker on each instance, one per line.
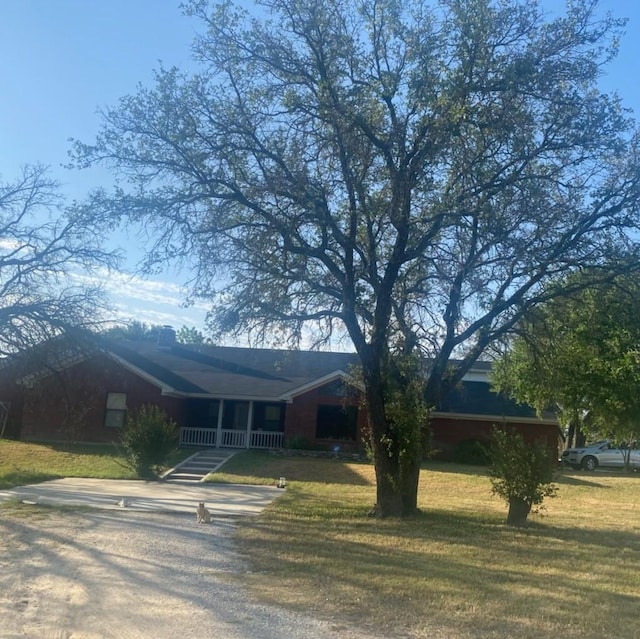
(249, 422)
(219, 424)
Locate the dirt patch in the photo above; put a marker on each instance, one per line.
(109, 574)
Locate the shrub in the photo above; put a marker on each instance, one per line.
(521, 473)
(473, 452)
(148, 438)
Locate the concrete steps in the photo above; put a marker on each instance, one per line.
(199, 465)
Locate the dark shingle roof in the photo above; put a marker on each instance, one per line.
(268, 374)
(226, 372)
(477, 398)
(230, 372)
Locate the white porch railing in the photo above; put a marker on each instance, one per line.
(266, 439)
(233, 439)
(197, 436)
(230, 438)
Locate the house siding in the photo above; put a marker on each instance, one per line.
(448, 431)
(12, 395)
(71, 405)
(302, 416)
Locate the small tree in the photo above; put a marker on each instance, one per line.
(191, 335)
(579, 355)
(149, 437)
(135, 330)
(521, 473)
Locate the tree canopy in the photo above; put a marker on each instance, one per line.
(581, 355)
(47, 253)
(410, 174)
(142, 331)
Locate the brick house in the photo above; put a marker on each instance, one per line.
(227, 397)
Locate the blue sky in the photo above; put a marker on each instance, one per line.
(61, 60)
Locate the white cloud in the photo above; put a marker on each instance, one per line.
(9, 244)
(154, 301)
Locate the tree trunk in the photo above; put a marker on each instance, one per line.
(395, 444)
(626, 453)
(396, 484)
(410, 479)
(571, 434)
(396, 476)
(581, 438)
(519, 510)
(390, 501)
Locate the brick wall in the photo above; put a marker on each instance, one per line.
(447, 432)
(301, 418)
(71, 405)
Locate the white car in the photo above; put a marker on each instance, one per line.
(603, 453)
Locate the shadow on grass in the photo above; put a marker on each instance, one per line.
(599, 472)
(467, 469)
(81, 448)
(266, 467)
(564, 479)
(474, 573)
(454, 468)
(22, 477)
(481, 530)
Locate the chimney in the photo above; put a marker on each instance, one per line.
(166, 337)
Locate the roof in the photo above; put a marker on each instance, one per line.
(475, 398)
(279, 375)
(227, 372)
(231, 372)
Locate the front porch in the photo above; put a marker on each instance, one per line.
(234, 424)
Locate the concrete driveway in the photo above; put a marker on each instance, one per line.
(175, 497)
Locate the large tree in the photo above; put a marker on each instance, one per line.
(408, 173)
(581, 356)
(50, 256)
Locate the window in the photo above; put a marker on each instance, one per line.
(337, 422)
(202, 413)
(116, 410)
(268, 417)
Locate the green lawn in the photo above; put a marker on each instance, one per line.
(28, 463)
(455, 571)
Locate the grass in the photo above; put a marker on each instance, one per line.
(456, 571)
(29, 463)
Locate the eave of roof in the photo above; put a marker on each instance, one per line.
(321, 381)
(496, 419)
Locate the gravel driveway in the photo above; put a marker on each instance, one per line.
(123, 575)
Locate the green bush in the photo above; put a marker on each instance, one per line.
(521, 473)
(148, 438)
(473, 452)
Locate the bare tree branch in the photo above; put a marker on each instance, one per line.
(46, 254)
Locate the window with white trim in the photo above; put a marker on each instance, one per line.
(115, 410)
